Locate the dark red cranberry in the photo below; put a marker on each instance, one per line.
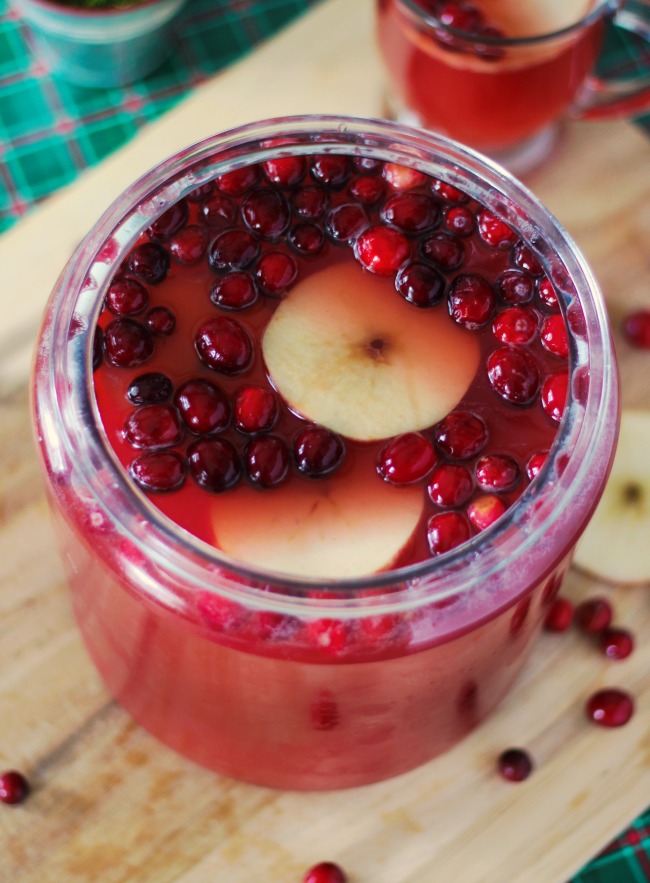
(547, 294)
(367, 189)
(127, 343)
(382, 250)
(276, 272)
(406, 459)
(484, 511)
(160, 321)
(593, 615)
(515, 764)
(149, 262)
(450, 486)
(515, 325)
(331, 169)
(525, 258)
(401, 177)
(368, 164)
(238, 181)
(266, 213)
(153, 427)
(460, 16)
(255, 409)
(445, 250)
(497, 472)
(214, 464)
(420, 284)
(445, 531)
(325, 872)
(461, 435)
(224, 345)
(189, 244)
(267, 460)
(636, 328)
(219, 211)
(471, 301)
(318, 451)
(149, 389)
(310, 202)
(515, 287)
(447, 192)
(616, 643)
(513, 374)
(559, 615)
(203, 406)
(610, 707)
(554, 394)
(494, 231)
(233, 250)
(307, 239)
(535, 464)
(201, 193)
(158, 471)
(235, 291)
(285, 171)
(410, 212)
(170, 222)
(485, 48)
(554, 337)
(127, 297)
(98, 348)
(345, 222)
(460, 220)
(14, 787)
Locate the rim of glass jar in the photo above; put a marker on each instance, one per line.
(78, 298)
(417, 13)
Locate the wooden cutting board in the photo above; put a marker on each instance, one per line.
(112, 805)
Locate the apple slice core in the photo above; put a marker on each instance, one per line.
(346, 351)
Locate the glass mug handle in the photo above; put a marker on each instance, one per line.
(607, 97)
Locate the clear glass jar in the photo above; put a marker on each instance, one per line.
(219, 660)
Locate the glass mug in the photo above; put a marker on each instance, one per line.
(505, 96)
(242, 669)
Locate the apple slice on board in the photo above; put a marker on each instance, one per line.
(616, 544)
(346, 351)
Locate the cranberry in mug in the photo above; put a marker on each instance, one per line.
(323, 406)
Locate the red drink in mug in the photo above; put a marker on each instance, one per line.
(323, 406)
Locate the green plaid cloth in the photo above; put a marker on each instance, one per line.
(50, 131)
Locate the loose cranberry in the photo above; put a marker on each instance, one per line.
(471, 301)
(160, 321)
(276, 272)
(127, 297)
(554, 394)
(158, 471)
(307, 239)
(238, 181)
(235, 291)
(331, 169)
(267, 461)
(616, 643)
(535, 464)
(127, 343)
(255, 409)
(420, 284)
(285, 171)
(515, 325)
(485, 510)
(153, 427)
(310, 202)
(494, 231)
(382, 250)
(636, 328)
(401, 177)
(406, 459)
(559, 616)
(461, 435)
(150, 389)
(266, 213)
(367, 189)
(203, 406)
(233, 250)
(345, 222)
(497, 472)
(547, 294)
(515, 287)
(593, 615)
(513, 374)
(445, 250)
(318, 451)
(149, 262)
(170, 222)
(325, 872)
(460, 220)
(219, 211)
(515, 764)
(554, 337)
(201, 193)
(14, 788)
(189, 244)
(214, 464)
(450, 486)
(447, 192)
(610, 707)
(224, 345)
(410, 212)
(525, 258)
(446, 531)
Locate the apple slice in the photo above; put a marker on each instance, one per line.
(345, 350)
(615, 545)
(346, 527)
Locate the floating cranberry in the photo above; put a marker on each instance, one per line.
(266, 213)
(325, 872)
(636, 328)
(219, 211)
(127, 343)
(547, 294)
(368, 164)
(559, 616)
(513, 374)
(14, 787)
(461, 435)
(610, 707)
(420, 284)
(201, 193)
(471, 301)
(515, 325)
(460, 220)
(149, 389)
(235, 291)
(224, 345)
(285, 171)
(158, 471)
(616, 643)
(406, 459)
(307, 239)
(214, 464)
(126, 297)
(255, 409)
(485, 510)
(233, 250)
(153, 427)
(267, 461)
(170, 222)
(345, 222)
(460, 16)
(445, 250)
(515, 764)
(593, 615)
(238, 181)
(149, 262)
(447, 192)
(367, 189)
(318, 451)
(189, 244)
(203, 407)
(276, 272)
(497, 472)
(410, 212)
(331, 169)
(329, 635)
(494, 231)
(554, 395)
(450, 486)
(160, 321)
(310, 202)
(525, 258)
(446, 531)
(401, 177)
(515, 287)
(535, 464)
(554, 337)
(382, 250)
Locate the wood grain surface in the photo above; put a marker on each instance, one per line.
(112, 805)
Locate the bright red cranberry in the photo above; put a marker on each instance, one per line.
(219, 211)
(367, 189)
(127, 297)
(345, 222)
(445, 250)
(461, 435)
(420, 284)
(485, 510)
(610, 707)
(406, 459)
(547, 294)
(127, 343)
(471, 301)
(160, 321)
(329, 635)
(535, 464)
(214, 464)
(497, 472)
(593, 615)
(266, 213)
(401, 177)
(220, 614)
(224, 345)
(554, 337)
(515, 287)
(325, 872)
(233, 250)
(310, 202)
(636, 328)
(525, 258)
(255, 409)
(153, 427)
(189, 244)
(267, 460)
(494, 231)
(554, 394)
(330, 169)
(445, 531)
(238, 181)
(559, 615)
(450, 486)
(149, 262)
(447, 192)
(14, 787)
(234, 291)
(276, 272)
(382, 250)
(410, 212)
(307, 239)
(616, 643)
(285, 171)
(513, 374)
(158, 471)
(150, 389)
(318, 451)
(170, 222)
(460, 220)
(515, 325)
(515, 764)
(203, 406)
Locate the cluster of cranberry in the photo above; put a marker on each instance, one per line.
(457, 17)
